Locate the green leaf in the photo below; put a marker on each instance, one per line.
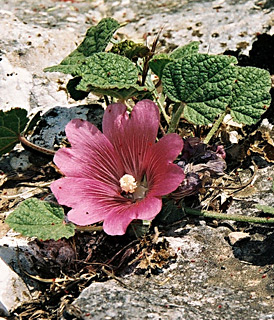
(250, 96)
(203, 82)
(96, 40)
(130, 49)
(265, 209)
(12, 123)
(69, 65)
(106, 73)
(98, 37)
(41, 219)
(122, 91)
(181, 52)
(158, 62)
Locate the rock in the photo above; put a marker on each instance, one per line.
(235, 237)
(15, 286)
(206, 282)
(51, 130)
(13, 290)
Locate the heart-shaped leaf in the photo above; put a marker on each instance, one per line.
(12, 123)
(250, 96)
(96, 40)
(203, 82)
(110, 74)
(40, 219)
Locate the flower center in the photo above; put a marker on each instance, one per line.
(131, 189)
(128, 183)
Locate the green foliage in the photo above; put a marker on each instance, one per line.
(40, 219)
(199, 87)
(203, 83)
(12, 123)
(250, 96)
(130, 49)
(106, 69)
(109, 74)
(265, 209)
(159, 61)
(188, 49)
(96, 40)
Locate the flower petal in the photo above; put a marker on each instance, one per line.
(132, 136)
(91, 155)
(116, 121)
(91, 205)
(114, 226)
(118, 220)
(162, 175)
(74, 192)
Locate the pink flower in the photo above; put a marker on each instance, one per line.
(118, 175)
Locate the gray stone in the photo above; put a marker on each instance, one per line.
(206, 282)
(13, 289)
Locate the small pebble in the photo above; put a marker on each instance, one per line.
(234, 237)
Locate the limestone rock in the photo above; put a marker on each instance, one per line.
(13, 290)
(235, 237)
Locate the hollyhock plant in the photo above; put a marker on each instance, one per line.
(121, 174)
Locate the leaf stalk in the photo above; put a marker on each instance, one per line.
(224, 216)
(176, 117)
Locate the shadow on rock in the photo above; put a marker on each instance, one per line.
(257, 252)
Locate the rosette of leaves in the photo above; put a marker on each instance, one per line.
(101, 72)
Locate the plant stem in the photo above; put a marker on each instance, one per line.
(215, 128)
(159, 101)
(224, 216)
(35, 147)
(148, 57)
(176, 117)
(89, 228)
